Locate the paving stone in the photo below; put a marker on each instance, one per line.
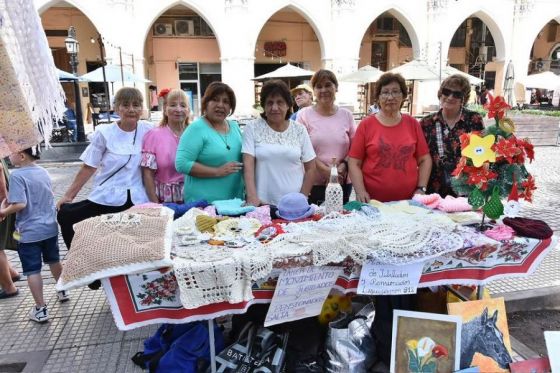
(89, 329)
(26, 335)
(95, 358)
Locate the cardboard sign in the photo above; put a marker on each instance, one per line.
(300, 293)
(386, 279)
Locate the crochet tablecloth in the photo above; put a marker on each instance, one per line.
(152, 298)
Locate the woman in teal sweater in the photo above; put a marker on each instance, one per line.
(209, 152)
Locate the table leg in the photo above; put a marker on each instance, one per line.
(480, 292)
(212, 345)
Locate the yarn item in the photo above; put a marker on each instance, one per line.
(118, 244)
(181, 208)
(205, 223)
(261, 213)
(354, 206)
(532, 228)
(476, 199)
(454, 204)
(494, 207)
(430, 200)
(500, 233)
(232, 207)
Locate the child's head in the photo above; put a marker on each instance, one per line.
(25, 156)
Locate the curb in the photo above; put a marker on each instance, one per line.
(532, 300)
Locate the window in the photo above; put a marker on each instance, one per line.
(188, 71)
(459, 37)
(404, 39)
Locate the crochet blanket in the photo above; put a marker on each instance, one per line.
(133, 241)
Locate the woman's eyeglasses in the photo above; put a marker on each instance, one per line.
(387, 94)
(456, 94)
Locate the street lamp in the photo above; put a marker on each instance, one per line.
(73, 47)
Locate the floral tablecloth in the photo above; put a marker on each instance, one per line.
(152, 297)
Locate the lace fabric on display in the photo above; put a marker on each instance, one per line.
(115, 244)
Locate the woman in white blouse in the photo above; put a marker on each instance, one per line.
(278, 157)
(114, 156)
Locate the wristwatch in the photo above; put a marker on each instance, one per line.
(421, 188)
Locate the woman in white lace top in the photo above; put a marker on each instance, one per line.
(278, 157)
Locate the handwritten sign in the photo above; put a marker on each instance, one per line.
(386, 279)
(300, 293)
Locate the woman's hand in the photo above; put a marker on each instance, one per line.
(64, 199)
(362, 197)
(229, 168)
(342, 172)
(253, 201)
(323, 169)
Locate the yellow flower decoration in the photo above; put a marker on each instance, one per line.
(480, 149)
(412, 344)
(506, 125)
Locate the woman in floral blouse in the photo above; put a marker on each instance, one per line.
(443, 129)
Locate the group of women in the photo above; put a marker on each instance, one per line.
(389, 156)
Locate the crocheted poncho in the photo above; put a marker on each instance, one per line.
(132, 241)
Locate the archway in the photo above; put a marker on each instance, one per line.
(181, 51)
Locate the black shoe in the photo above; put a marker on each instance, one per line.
(95, 285)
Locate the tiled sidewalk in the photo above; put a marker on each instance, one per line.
(82, 336)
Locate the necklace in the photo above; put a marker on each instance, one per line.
(224, 137)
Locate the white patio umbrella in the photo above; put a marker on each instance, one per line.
(546, 80)
(286, 71)
(450, 70)
(365, 74)
(113, 74)
(416, 70)
(66, 76)
(508, 84)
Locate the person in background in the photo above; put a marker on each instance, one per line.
(443, 130)
(278, 157)
(113, 156)
(31, 198)
(209, 151)
(70, 122)
(8, 275)
(331, 129)
(162, 181)
(389, 160)
(303, 96)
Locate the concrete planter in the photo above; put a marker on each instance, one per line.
(542, 130)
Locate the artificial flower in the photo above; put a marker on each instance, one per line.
(507, 149)
(529, 186)
(506, 125)
(440, 351)
(425, 346)
(496, 107)
(528, 148)
(480, 149)
(164, 92)
(460, 166)
(480, 176)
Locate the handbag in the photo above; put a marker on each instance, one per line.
(350, 346)
(257, 349)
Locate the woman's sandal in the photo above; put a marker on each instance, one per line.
(4, 295)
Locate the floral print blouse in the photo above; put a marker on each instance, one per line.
(440, 181)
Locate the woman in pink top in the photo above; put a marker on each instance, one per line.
(162, 182)
(331, 130)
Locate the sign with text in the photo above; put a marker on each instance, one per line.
(300, 293)
(387, 279)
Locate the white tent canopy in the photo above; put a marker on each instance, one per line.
(286, 71)
(450, 70)
(416, 70)
(546, 80)
(365, 74)
(113, 74)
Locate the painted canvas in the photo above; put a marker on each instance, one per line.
(540, 365)
(485, 336)
(425, 342)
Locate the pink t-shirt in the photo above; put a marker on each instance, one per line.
(389, 157)
(158, 152)
(331, 136)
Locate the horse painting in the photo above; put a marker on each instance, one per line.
(483, 336)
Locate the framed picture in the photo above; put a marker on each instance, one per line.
(85, 92)
(425, 342)
(485, 336)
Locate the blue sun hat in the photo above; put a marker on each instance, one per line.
(294, 206)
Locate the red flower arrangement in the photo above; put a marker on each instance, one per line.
(494, 180)
(164, 92)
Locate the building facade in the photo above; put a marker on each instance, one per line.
(190, 43)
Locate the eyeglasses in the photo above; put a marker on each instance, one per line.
(387, 94)
(456, 94)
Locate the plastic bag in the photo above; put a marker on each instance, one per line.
(350, 346)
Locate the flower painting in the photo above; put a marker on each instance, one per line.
(425, 342)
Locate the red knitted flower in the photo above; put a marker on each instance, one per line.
(507, 149)
(480, 176)
(164, 92)
(529, 186)
(496, 107)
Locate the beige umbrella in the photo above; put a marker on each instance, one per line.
(546, 80)
(450, 70)
(287, 71)
(416, 70)
(365, 74)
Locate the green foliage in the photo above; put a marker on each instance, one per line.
(548, 113)
(477, 108)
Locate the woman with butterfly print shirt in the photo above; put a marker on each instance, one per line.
(389, 159)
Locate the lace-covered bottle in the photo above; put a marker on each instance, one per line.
(333, 193)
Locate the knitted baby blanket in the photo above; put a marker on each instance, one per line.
(132, 241)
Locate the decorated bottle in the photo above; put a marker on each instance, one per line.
(333, 193)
